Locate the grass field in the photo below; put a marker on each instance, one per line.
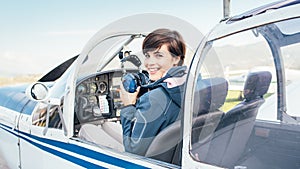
(235, 97)
(232, 99)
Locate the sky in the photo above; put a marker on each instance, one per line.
(37, 35)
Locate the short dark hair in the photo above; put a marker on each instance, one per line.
(171, 38)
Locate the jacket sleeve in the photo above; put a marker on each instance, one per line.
(143, 122)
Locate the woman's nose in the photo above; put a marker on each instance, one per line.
(150, 60)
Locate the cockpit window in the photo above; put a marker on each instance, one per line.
(245, 99)
(289, 27)
(132, 48)
(225, 100)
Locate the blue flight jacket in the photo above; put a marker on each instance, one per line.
(153, 112)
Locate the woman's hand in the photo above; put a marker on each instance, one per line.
(128, 98)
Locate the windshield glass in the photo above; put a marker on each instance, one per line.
(289, 44)
(109, 41)
(245, 106)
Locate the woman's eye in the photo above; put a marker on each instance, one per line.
(159, 55)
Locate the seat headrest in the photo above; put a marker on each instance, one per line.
(257, 84)
(210, 95)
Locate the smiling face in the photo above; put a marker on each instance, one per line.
(163, 49)
(159, 61)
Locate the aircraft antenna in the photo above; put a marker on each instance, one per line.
(226, 8)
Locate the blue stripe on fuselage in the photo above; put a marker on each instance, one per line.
(73, 148)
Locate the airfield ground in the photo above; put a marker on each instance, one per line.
(6, 81)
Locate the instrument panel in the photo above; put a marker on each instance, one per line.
(98, 97)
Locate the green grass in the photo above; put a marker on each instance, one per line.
(232, 99)
(235, 97)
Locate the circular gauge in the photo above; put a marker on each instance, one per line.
(93, 88)
(92, 100)
(102, 87)
(81, 89)
(83, 101)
